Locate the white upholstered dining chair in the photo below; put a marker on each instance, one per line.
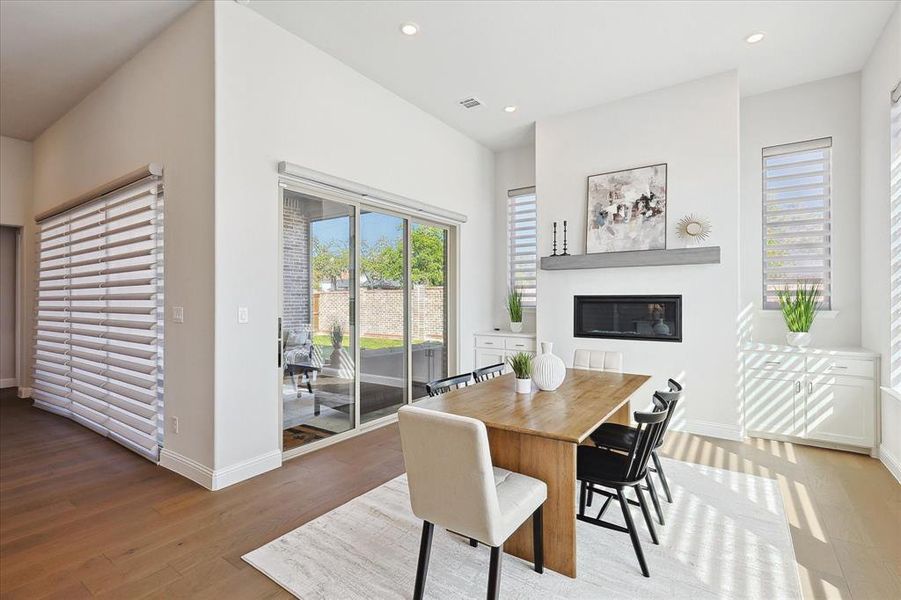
(454, 485)
(598, 360)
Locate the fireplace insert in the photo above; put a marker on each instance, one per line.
(656, 318)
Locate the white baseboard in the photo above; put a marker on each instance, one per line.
(24, 392)
(710, 429)
(891, 462)
(186, 467)
(9, 382)
(246, 469)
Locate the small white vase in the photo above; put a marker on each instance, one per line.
(523, 386)
(799, 339)
(548, 370)
(515, 327)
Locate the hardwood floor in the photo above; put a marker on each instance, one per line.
(81, 517)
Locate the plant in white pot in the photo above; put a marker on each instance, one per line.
(521, 363)
(799, 309)
(514, 310)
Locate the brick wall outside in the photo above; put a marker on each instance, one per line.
(382, 312)
(296, 261)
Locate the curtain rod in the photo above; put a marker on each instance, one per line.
(101, 190)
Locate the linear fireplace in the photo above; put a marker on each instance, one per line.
(657, 318)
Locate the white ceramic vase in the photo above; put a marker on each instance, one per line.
(799, 339)
(523, 386)
(515, 327)
(548, 370)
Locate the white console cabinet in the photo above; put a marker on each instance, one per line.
(492, 347)
(825, 396)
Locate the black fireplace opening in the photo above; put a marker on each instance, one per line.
(656, 318)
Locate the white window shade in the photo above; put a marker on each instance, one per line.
(99, 315)
(797, 195)
(895, 249)
(522, 243)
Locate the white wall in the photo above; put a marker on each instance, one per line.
(694, 128)
(157, 108)
(15, 181)
(880, 74)
(513, 168)
(15, 211)
(280, 98)
(830, 107)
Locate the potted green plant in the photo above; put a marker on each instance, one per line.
(799, 309)
(521, 363)
(336, 333)
(514, 309)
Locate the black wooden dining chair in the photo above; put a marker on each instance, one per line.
(619, 437)
(598, 468)
(439, 386)
(489, 372)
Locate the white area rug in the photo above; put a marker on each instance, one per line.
(726, 537)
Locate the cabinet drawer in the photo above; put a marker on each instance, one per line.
(774, 361)
(518, 344)
(834, 365)
(489, 341)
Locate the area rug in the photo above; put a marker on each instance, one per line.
(726, 537)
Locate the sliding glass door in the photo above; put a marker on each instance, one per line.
(383, 314)
(317, 333)
(364, 313)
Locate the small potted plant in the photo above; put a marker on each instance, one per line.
(521, 363)
(336, 333)
(799, 309)
(514, 310)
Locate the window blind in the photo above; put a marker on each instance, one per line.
(98, 335)
(797, 191)
(895, 242)
(522, 249)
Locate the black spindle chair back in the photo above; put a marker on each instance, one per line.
(648, 429)
(489, 372)
(440, 386)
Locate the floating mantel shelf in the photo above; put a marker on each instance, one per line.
(637, 258)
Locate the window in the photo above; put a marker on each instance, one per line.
(522, 243)
(99, 315)
(895, 249)
(797, 219)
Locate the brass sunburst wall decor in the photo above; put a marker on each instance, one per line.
(693, 229)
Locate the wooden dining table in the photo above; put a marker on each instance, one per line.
(537, 434)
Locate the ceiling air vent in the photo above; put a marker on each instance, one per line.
(470, 102)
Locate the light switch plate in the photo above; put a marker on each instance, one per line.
(178, 314)
(243, 315)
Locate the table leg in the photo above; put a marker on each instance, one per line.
(553, 462)
(623, 415)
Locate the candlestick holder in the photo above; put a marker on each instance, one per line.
(565, 253)
(554, 253)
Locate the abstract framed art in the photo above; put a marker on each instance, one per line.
(627, 210)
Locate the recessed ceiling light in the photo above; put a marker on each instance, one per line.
(755, 37)
(409, 28)
(510, 108)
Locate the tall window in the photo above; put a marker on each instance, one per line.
(895, 250)
(522, 243)
(797, 193)
(98, 354)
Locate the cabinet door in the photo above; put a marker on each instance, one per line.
(840, 410)
(773, 403)
(489, 356)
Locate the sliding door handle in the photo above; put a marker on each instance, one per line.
(799, 386)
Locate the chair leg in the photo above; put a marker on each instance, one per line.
(647, 514)
(662, 476)
(582, 492)
(422, 569)
(494, 572)
(653, 491)
(473, 542)
(538, 539)
(633, 533)
(590, 496)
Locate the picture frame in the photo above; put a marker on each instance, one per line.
(626, 210)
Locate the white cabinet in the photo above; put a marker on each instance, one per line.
(495, 347)
(814, 394)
